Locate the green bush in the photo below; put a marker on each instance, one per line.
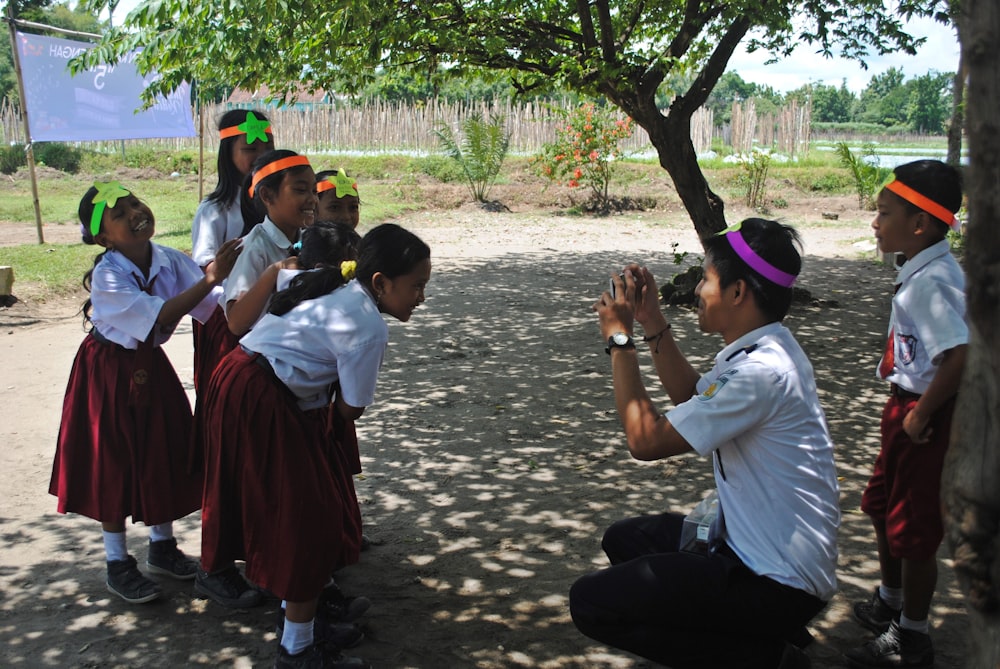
(831, 182)
(58, 156)
(586, 150)
(868, 176)
(442, 168)
(479, 152)
(753, 180)
(11, 158)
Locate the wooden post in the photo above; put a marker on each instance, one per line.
(6, 281)
(24, 119)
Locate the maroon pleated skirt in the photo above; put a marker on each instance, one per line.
(278, 491)
(114, 460)
(212, 341)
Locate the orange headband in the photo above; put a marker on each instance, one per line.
(254, 128)
(924, 202)
(276, 166)
(234, 130)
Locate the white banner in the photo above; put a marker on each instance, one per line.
(98, 104)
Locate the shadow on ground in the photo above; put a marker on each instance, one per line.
(493, 462)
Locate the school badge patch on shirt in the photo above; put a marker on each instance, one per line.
(716, 386)
(907, 348)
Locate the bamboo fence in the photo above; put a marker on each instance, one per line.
(394, 127)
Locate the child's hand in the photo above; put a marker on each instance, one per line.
(915, 424)
(223, 263)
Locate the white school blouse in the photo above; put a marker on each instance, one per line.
(340, 336)
(123, 313)
(264, 245)
(213, 225)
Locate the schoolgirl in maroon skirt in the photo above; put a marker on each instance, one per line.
(124, 445)
(243, 136)
(278, 490)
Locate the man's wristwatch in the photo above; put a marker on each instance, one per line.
(619, 340)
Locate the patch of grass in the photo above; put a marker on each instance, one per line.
(59, 268)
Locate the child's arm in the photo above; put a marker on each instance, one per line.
(942, 388)
(215, 271)
(246, 309)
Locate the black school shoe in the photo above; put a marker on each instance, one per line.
(126, 581)
(166, 559)
(227, 587)
(341, 635)
(318, 656)
(896, 647)
(335, 606)
(875, 615)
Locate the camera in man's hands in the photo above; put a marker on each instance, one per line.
(611, 283)
(636, 279)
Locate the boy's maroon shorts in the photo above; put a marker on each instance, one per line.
(905, 487)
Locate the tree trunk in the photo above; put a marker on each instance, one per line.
(671, 137)
(970, 484)
(957, 124)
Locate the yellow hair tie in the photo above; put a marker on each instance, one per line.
(348, 269)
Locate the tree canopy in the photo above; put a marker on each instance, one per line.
(623, 51)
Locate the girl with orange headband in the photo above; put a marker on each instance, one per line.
(281, 189)
(243, 136)
(124, 446)
(338, 198)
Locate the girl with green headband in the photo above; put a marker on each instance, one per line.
(124, 446)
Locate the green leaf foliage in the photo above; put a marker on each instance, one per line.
(480, 151)
(623, 51)
(868, 176)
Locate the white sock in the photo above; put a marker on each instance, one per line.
(114, 546)
(893, 597)
(161, 532)
(922, 626)
(296, 637)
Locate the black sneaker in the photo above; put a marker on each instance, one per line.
(317, 656)
(875, 614)
(896, 647)
(167, 559)
(227, 587)
(126, 581)
(335, 606)
(341, 635)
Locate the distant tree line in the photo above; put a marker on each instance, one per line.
(921, 104)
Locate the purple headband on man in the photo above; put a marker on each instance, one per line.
(754, 261)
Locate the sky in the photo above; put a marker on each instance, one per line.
(939, 53)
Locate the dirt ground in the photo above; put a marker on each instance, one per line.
(493, 457)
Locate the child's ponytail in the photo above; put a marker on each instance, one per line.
(330, 250)
(307, 286)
